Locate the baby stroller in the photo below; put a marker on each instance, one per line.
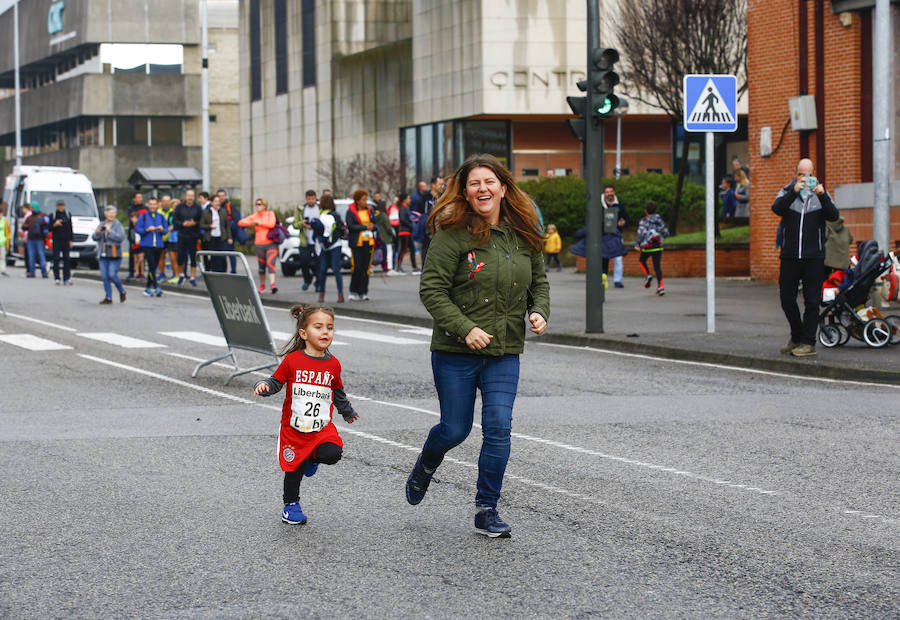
(847, 315)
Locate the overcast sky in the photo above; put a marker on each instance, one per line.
(5, 4)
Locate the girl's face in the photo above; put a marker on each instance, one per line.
(318, 333)
(484, 192)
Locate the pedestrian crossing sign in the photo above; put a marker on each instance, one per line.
(710, 103)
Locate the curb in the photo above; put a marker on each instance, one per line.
(788, 366)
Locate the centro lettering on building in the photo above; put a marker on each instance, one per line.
(526, 78)
(238, 311)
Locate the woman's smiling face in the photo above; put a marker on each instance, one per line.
(484, 192)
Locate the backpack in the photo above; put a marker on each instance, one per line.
(340, 230)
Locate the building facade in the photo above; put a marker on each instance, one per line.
(405, 89)
(110, 87)
(823, 49)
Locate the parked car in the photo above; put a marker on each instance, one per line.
(289, 250)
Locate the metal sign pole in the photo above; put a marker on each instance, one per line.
(710, 235)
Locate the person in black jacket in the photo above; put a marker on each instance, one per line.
(186, 220)
(804, 211)
(61, 228)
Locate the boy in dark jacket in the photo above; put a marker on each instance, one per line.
(804, 206)
(650, 234)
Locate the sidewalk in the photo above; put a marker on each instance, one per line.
(750, 326)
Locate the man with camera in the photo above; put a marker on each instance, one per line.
(804, 206)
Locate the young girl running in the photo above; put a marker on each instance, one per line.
(313, 376)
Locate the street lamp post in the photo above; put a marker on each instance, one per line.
(619, 112)
(18, 104)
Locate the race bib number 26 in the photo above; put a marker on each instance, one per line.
(310, 407)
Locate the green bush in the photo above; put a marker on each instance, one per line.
(562, 199)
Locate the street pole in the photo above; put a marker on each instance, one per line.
(593, 155)
(204, 95)
(619, 112)
(710, 234)
(18, 100)
(881, 124)
(618, 144)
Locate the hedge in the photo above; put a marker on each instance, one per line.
(562, 199)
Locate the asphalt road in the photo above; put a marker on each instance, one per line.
(637, 487)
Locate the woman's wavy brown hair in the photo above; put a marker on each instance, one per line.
(454, 211)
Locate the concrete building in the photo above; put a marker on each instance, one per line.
(409, 88)
(108, 87)
(822, 49)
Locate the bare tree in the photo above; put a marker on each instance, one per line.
(382, 172)
(663, 40)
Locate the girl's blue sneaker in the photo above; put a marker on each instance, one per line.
(293, 514)
(311, 469)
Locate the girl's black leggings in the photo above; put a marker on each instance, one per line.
(328, 453)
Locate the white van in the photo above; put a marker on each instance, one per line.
(47, 185)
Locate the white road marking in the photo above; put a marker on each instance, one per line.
(32, 342)
(769, 373)
(377, 337)
(119, 340)
(350, 431)
(40, 322)
(199, 337)
(580, 450)
(421, 331)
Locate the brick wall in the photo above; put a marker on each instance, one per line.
(774, 56)
(690, 262)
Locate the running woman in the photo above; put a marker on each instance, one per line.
(313, 376)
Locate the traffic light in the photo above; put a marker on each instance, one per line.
(602, 80)
(579, 108)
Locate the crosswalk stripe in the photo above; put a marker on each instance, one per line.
(420, 331)
(350, 333)
(199, 337)
(126, 342)
(32, 343)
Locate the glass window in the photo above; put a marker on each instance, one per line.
(131, 130)
(165, 131)
(109, 137)
(77, 203)
(255, 71)
(281, 47)
(482, 137)
(410, 158)
(444, 148)
(426, 152)
(308, 18)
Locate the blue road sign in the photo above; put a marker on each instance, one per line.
(710, 103)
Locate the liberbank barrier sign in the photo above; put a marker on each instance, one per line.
(240, 313)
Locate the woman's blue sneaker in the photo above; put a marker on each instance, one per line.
(489, 523)
(311, 469)
(293, 514)
(417, 483)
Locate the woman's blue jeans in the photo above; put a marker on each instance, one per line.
(330, 258)
(36, 253)
(109, 271)
(456, 376)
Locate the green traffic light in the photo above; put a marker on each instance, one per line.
(610, 102)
